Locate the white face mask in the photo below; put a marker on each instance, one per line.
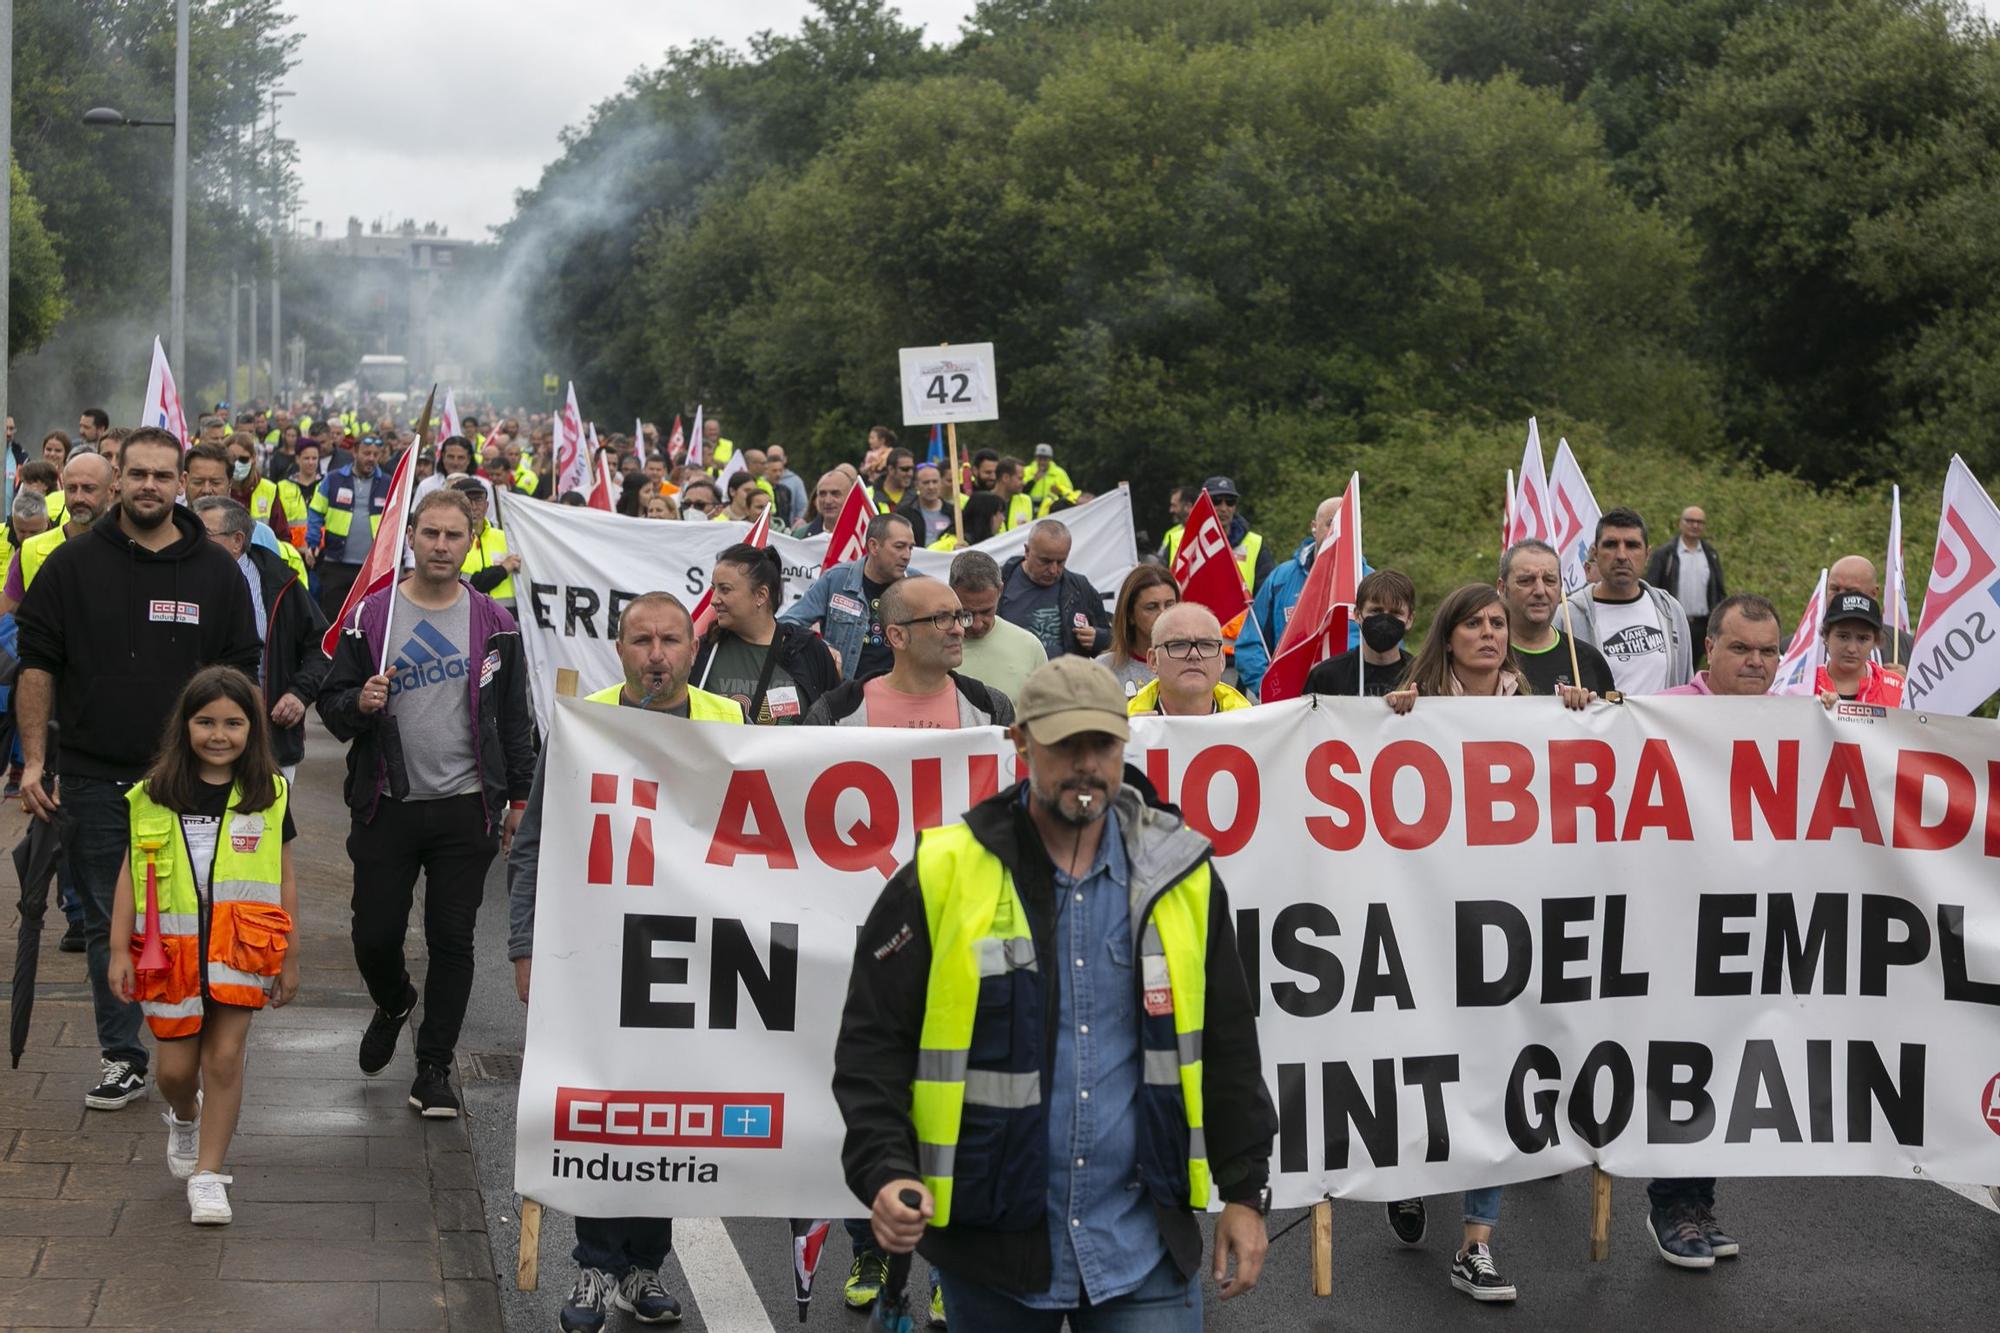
(240, 470)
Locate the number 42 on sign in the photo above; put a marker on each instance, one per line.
(949, 384)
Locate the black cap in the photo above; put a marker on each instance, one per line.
(1853, 606)
(471, 486)
(1221, 486)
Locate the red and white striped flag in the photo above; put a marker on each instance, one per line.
(849, 538)
(385, 557)
(1531, 501)
(1799, 667)
(1317, 629)
(162, 407)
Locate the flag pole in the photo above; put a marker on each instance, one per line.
(957, 508)
(399, 539)
(1569, 637)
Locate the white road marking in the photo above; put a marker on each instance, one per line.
(717, 1279)
(1979, 1194)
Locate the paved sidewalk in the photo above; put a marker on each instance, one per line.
(351, 1211)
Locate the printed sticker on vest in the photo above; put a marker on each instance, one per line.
(1159, 990)
(245, 832)
(489, 668)
(842, 602)
(343, 496)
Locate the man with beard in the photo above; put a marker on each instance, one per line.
(1059, 969)
(115, 624)
(88, 481)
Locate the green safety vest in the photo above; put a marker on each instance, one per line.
(982, 949)
(702, 706)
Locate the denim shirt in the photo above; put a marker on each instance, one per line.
(836, 603)
(1103, 1237)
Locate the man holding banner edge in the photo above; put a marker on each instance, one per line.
(1065, 864)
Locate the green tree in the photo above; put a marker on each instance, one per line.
(35, 299)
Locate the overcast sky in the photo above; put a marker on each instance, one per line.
(376, 138)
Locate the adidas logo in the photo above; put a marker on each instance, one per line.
(428, 658)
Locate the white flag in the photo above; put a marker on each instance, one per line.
(163, 400)
(1799, 667)
(1573, 515)
(639, 440)
(447, 423)
(1955, 662)
(1895, 583)
(572, 462)
(1531, 499)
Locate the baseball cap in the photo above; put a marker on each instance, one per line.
(1069, 695)
(1221, 486)
(471, 486)
(1853, 606)
(1045, 451)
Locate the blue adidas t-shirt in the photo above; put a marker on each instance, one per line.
(431, 699)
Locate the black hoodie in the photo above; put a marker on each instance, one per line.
(122, 629)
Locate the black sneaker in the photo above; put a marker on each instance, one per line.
(640, 1295)
(1406, 1219)
(1475, 1274)
(118, 1085)
(1720, 1243)
(432, 1094)
(378, 1043)
(73, 940)
(588, 1301)
(1677, 1236)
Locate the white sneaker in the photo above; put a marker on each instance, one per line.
(183, 1141)
(208, 1201)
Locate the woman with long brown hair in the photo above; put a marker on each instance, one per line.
(1468, 653)
(1147, 591)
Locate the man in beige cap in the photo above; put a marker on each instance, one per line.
(1032, 998)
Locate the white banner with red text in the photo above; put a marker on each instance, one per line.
(580, 567)
(1676, 937)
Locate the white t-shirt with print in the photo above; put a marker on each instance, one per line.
(1634, 642)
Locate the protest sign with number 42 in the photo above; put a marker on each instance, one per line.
(944, 384)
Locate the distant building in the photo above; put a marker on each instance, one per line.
(394, 275)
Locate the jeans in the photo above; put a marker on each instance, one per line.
(95, 826)
(617, 1245)
(1482, 1207)
(1165, 1302)
(67, 898)
(1666, 1191)
(447, 840)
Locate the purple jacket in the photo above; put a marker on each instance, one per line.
(503, 731)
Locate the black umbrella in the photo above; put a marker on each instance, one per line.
(35, 863)
(892, 1307)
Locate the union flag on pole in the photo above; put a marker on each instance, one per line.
(639, 440)
(1799, 667)
(601, 486)
(1531, 501)
(448, 417)
(697, 448)
(571, 457)
(1205, 568)
(1955, 662)
(1895, 582)
(385, 557)
(703, 614)
(676, 443)
(1573, 515)
(1318, 627)
(849, 538)
(163, 399)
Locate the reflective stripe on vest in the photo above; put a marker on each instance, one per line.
(488, 550)
(980, 942)
(702, 706)
(248, 929)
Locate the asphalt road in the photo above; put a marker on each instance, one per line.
(1817, 1253)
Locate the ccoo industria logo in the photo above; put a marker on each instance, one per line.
(654, 1119)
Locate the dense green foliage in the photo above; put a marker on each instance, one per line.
(106, 195)
(35, 300)
(1739, 247)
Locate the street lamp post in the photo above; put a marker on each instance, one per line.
(277, 243)
(178, 122)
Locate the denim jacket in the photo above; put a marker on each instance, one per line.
(836, 604)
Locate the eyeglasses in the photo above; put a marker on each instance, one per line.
(700, 506)
(1181, 649)
(941, 622)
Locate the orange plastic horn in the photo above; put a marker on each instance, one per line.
(152, 952)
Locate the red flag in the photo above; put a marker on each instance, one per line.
(601, 488)
(676, 444)
(1205, 568)
(759, 536)
(385, 557)
(1317, 629)
(849, 539)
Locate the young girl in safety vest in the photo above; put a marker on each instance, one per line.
(211, 835)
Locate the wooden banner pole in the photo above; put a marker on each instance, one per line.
(1322, 1248)
(1600, 1215)
(951, 493)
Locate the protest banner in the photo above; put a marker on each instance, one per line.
(1677, 937)
(581, 567)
